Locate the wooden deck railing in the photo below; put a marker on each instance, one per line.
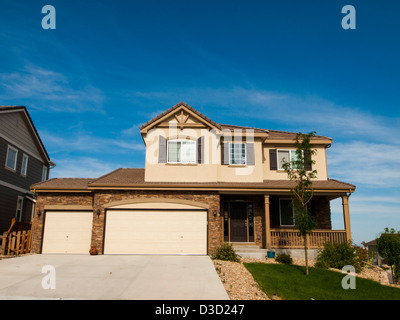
(17, 240)
(16, 243)
(290, 238)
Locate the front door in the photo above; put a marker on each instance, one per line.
(238, 221)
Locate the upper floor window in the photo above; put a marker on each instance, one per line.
(44, 173)
(237, 153)
(24, 168)
(285, 156)
(181, 151)
(11, 160)
(278, 157)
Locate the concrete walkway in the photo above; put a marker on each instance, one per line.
(131, 277)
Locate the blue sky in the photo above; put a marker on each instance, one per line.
(110, 66)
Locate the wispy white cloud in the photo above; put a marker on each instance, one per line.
(367, 209)
(369, 216)
(131, 131)
(372, 164)
(311, 111)
(49, 90)
(367, 149)
(376, 199)
(87, 143)
(81, 167)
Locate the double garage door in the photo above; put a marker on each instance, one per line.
(128, 231)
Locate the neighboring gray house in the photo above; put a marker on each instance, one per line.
(23, 162)
(377, 259)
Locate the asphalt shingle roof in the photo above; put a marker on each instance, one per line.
(131, 177)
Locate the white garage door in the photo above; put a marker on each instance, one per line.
(67, 232)
(156, 232)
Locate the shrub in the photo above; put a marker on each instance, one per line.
(388, 245)
(363, 255)
(321, 264)
(284, 258)
(226, 252)
(338, 255)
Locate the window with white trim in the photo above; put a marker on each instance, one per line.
(181, 151)
(44, 173)
(11, 159)
(24, 167)
(237, 153)
(285, 156)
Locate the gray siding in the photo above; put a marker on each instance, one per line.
(16, 131)
(14, 127)
(34, 171)
(8, 207)
(9, 196)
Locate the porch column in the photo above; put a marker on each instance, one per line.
(346, 216)
(267, 222)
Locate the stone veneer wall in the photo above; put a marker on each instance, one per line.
(259, 221)
(322, 209)
(100, 198)
(215, 236)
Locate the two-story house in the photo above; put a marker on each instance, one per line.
(204, 183)
(23, 162)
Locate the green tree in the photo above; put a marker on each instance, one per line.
(388, 245)
(298, 170)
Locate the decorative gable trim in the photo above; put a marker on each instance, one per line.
(181, 117)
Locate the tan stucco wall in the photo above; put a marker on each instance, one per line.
(212, 170)
(231, 173)
(209, 171)
(319, 158)
(100, 201)
(166, 172)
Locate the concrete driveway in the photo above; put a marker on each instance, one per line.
(132, 277)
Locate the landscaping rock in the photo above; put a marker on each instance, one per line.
(238, 282)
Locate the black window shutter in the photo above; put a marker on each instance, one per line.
(307, 160)
(162, 149)
(200, 150)
(273, 163)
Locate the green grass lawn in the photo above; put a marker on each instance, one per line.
(290, 282)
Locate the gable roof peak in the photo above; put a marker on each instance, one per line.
(31, 127)
(174, 108)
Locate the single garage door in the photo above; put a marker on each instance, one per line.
(156, 232)
(67, 232)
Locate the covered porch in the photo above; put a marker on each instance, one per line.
(288, 237)
(268, 221)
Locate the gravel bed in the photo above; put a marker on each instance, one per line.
(238, 282)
